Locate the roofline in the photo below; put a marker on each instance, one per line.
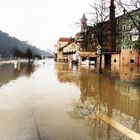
(127, 13)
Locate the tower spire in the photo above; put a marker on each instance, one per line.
(83, 22)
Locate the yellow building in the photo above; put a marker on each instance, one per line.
(66, 50)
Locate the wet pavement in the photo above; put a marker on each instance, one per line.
(55, 101)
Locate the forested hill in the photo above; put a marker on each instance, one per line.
(8, 44)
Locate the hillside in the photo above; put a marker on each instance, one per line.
(8, 44)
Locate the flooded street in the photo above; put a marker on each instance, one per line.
(55, 101)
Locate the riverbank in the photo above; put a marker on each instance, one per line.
(12, 61)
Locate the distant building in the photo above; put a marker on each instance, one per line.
(65, 50)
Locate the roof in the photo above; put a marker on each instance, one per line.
(127, 13)
(84, 19)
(65, 39)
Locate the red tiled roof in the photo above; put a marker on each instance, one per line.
(65, 39)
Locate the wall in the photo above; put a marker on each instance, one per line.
(115, 59)
(60, 56)
(129, 57)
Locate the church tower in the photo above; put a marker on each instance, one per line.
(83, 23)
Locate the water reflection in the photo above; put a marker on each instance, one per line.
(8, 72)
(107, 103)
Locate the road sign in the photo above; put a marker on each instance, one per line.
(99, 49)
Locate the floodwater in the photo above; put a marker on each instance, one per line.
(55, 101)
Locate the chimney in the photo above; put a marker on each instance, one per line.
(112, 27)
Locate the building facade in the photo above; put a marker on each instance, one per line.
(128, 38)
(65, 50)
(120, 46)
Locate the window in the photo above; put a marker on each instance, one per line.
(123, 38)
(130, 26)
(83, 58)
(137, 16)
(130, 36)
(115, 60)
(132, 61)
(124, 28)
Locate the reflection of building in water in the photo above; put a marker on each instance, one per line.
(119, 94)
(116, 98)
(65, 73)
(127, 73)
(130, 73)
(119, 100)
(8, 73)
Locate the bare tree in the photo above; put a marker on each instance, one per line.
(100, 11)
(100, 18)
(129, 5)
(132, 9)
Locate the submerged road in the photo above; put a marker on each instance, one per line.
(35, 106)
(52, 101)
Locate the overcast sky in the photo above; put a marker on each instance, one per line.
(42, 22)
